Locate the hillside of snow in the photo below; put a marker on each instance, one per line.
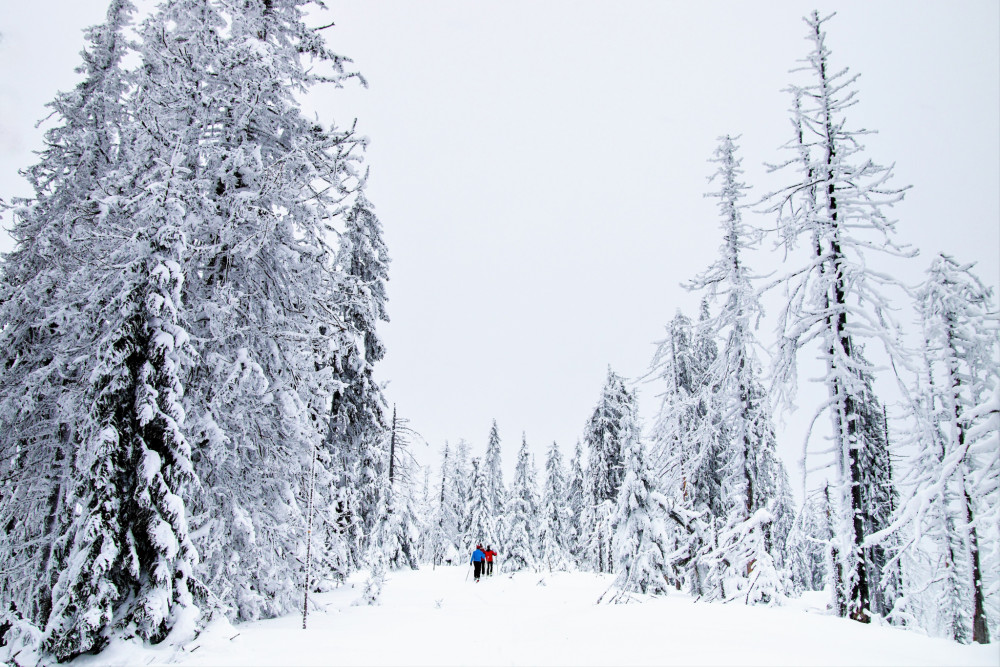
(440, 617)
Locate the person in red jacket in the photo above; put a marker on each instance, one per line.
(489, 553)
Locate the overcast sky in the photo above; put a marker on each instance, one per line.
(539, 168)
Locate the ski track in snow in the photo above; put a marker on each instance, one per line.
(545, 619)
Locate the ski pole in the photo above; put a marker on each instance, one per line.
(467, 573)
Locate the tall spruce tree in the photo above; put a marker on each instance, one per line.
(496, 492)
(641, 541)
(357, 423)
(521, 541)
(736, 409)
(576, 502)
(481, 522)
(685, 438)
(952, 498)
(555, 540)
(835, 207)
(42, 381)
(606, 435)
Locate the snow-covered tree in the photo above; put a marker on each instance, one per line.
(952, 497)
(805, 553)
(606, 435)
(444, 520)
(685, 442)
(357, 422)
(496, 492)
(641, 542)
(481, 522)
(42, 332)
(557, 533)
(400, 529)
(834, 207)
(576, 503)
(521, 536)
(736, 410)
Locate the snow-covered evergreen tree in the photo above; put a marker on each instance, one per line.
(481, 522)
(357, 422)
(496, 492)
(521, 537)
(835, 208)
(805, 552)
(264, 293)
(576, 504)
(444, 520)
(641, 542)
(400, 529)
(461, 482)
(685, 436)
(604, 435)
(735, 409)
(557, 534)
(952, 497)
(41, 330)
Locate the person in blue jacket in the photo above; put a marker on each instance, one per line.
(478, 558)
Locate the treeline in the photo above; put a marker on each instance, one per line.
(190, 424)
(904, 524)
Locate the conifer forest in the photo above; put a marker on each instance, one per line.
(193, 423)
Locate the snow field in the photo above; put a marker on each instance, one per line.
(435, 617)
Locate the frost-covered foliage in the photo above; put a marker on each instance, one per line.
(496, 492)
(446, 514)
(805, 551)
(480, 522)
(685, 441)
(521, 536)
(554, 552)
(641, 542)
(576, 503)
(950, 507)
(746, 483)
(400, 528)
(833, 208)
(606, 434)
(357, 423)
(172, 318)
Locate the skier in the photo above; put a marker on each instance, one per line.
(489, 554)
(477, 561)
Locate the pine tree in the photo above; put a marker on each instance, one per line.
(481, 523)
(522, 516)
(686, 437)
(835, 205)
(41, 332)
(806, 551)
(496, 492)
(445, 518)
(605, 435)
(953, 496)
(744, 473)
(641, 542)
(400, 528)
(576, 502)
(556, 521)
(357, 422)
(219, 79)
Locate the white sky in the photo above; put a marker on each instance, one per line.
(539, 168)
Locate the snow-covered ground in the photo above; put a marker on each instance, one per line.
(436, 617)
